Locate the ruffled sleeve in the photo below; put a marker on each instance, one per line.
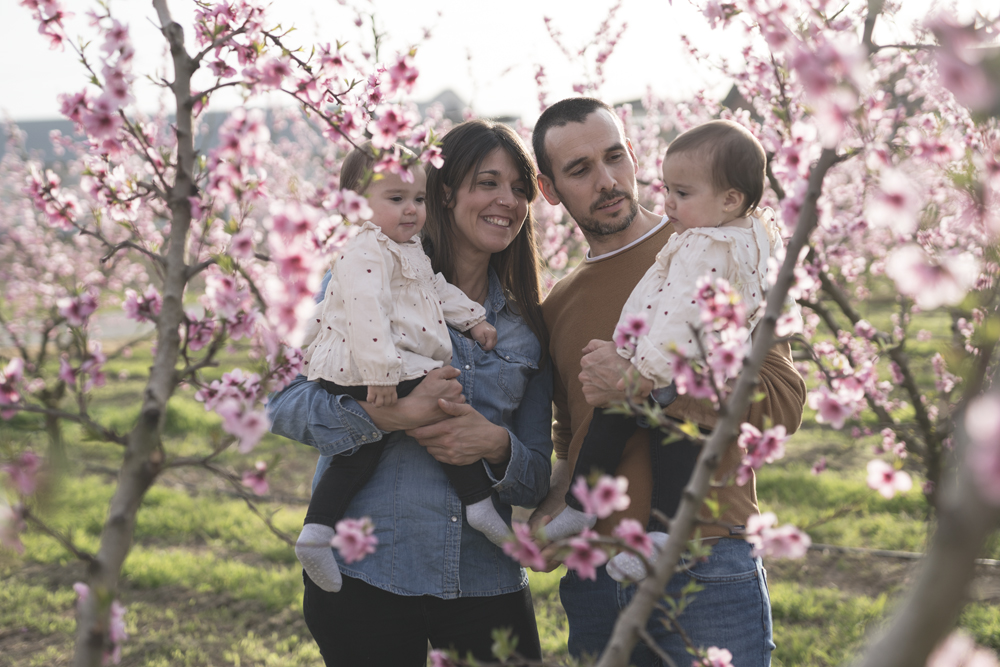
(460, 312)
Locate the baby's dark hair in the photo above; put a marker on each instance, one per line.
(737, 159)
(356, 172)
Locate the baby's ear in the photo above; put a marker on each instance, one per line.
(735, 200)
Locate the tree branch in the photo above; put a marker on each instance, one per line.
(104, 432)
(65, 541)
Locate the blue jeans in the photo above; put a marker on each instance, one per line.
(732, 611)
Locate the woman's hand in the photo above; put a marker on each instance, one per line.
(421, 406)
(464, 438)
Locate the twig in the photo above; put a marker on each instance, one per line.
(65, 541)
(104, 432)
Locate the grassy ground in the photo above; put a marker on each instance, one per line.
(208, 584)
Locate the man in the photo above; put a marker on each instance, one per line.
(587, 164)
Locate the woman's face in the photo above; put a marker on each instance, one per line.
(490, 205)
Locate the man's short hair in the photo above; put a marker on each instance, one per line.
(569, 110)
(737, 160)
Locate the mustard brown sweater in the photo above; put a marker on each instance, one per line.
(586, 305)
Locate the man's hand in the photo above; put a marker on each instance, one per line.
(464, 438)
(602, 372)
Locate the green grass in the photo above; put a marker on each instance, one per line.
(208, 584)
(819, 626)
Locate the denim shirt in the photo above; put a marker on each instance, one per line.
(425, 546)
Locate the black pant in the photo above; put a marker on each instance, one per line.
(671, 465)
(365, 625)
(347, 474)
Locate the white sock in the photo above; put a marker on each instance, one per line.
(318, 560)
(568, 522)
(484, 517)
(626, 566)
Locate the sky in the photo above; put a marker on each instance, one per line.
(485, 52)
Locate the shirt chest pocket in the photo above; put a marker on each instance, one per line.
(515, 370)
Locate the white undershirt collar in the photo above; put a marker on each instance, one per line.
(639, 240)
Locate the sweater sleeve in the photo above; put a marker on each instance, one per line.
(460, 312)
(783, 388)
(365, 274)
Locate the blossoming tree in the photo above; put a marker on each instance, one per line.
(147, 219)
(883, 170)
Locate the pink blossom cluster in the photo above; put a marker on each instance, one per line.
(982, 424)
(60, 208)
(10, 377)
(522, 547)
(959, 650)
(758, 449)
(90, 369)
(256, 479)
(715, 657)
(354, 539)
(886, 479)
(116, 633)
(144, 307)
(78, 309)
(23, 472)
(50, 16)
(235, 164)
(609, 495)
(233, 398)
(959, 63)
(627, 333)
(778, 542)
(214, 21)
(585, 556)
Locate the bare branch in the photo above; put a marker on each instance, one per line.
(64, 540)
(83, 419)
(113, 250)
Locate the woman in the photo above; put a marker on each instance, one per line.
(432, 577)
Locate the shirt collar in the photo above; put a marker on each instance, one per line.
(588, 259)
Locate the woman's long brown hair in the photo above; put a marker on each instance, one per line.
(464, 148)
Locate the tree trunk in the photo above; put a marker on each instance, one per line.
(143, 458)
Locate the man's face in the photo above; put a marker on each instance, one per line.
(593, 169)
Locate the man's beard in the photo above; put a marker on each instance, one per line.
(592, 225)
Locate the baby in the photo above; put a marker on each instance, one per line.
(714, 179)
(382, 326)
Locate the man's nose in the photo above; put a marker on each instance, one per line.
(606, 179)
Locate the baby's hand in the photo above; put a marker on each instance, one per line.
(485, 334)
(382, 397)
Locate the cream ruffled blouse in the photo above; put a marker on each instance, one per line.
(385, 315)
(665, 295)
